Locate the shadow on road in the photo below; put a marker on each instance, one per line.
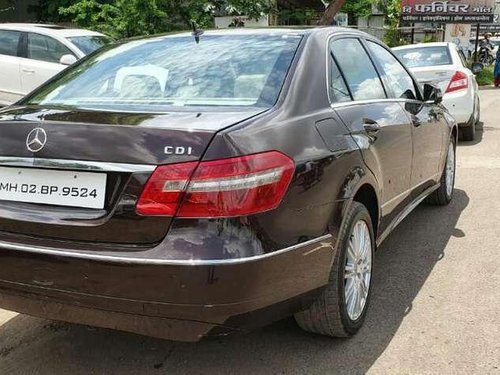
(403, 264)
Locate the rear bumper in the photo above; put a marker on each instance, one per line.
(461, 105)
(179, 300)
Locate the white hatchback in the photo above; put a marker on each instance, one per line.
(30, 54)
(445, 66)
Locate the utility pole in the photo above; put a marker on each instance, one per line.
(478, 26)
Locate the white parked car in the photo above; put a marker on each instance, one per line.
(30, 54)
(444, 65)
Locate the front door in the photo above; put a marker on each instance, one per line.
(427, 132)
(428, 139)
(41, 61)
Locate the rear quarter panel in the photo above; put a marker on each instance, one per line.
(327, 174)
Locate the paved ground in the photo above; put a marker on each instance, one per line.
(435, 308)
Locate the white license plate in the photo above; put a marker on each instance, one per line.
(58, 188)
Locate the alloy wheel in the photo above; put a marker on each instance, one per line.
(358, 269)
(450, 170)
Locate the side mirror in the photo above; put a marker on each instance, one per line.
(67, 60)
(432, 94)
(477, 68)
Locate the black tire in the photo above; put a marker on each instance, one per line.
(328, 313)
(469, 132)
(441, 197)
(478, 112)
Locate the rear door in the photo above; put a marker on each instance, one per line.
(41, 60)
(427, 132)
(10, 80)
(379, 124)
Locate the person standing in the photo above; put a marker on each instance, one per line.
(496, 72)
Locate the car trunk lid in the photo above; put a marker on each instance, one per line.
(124, 149)
(437, 76)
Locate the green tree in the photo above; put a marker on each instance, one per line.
(126, 18)
(7, 5)
(392, 10)
(120, 18)
(48, 10)
(356, 9)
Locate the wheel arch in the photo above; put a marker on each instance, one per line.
(359, 186)
(367, 196)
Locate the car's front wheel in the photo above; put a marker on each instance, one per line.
(341, 308)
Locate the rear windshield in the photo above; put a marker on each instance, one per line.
(424, 56)
(90, 43)
(165, 73)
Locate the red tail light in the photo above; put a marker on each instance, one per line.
(459, 81)
(222, 188)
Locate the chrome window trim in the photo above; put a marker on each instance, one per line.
(362, 39)
(372, 101)
(166, 262)
(83, 165)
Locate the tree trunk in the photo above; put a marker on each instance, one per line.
(330, 12)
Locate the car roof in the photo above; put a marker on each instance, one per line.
(278, 29)
(301, 30)
(47, 29)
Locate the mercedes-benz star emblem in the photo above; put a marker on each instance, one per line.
(36, 139)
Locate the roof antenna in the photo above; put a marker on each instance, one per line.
(196, 32)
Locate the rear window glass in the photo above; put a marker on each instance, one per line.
(424, 56)
(159, 74)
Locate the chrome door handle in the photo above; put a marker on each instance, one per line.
(29, 71)
(371, 126)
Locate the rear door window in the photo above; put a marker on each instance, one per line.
(358, 70)
(45, 48)
(338, 90)
(9, 42)
(400, 82)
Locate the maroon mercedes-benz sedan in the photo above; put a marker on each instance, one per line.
(188, 186)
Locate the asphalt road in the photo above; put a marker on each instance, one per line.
(435, 307)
